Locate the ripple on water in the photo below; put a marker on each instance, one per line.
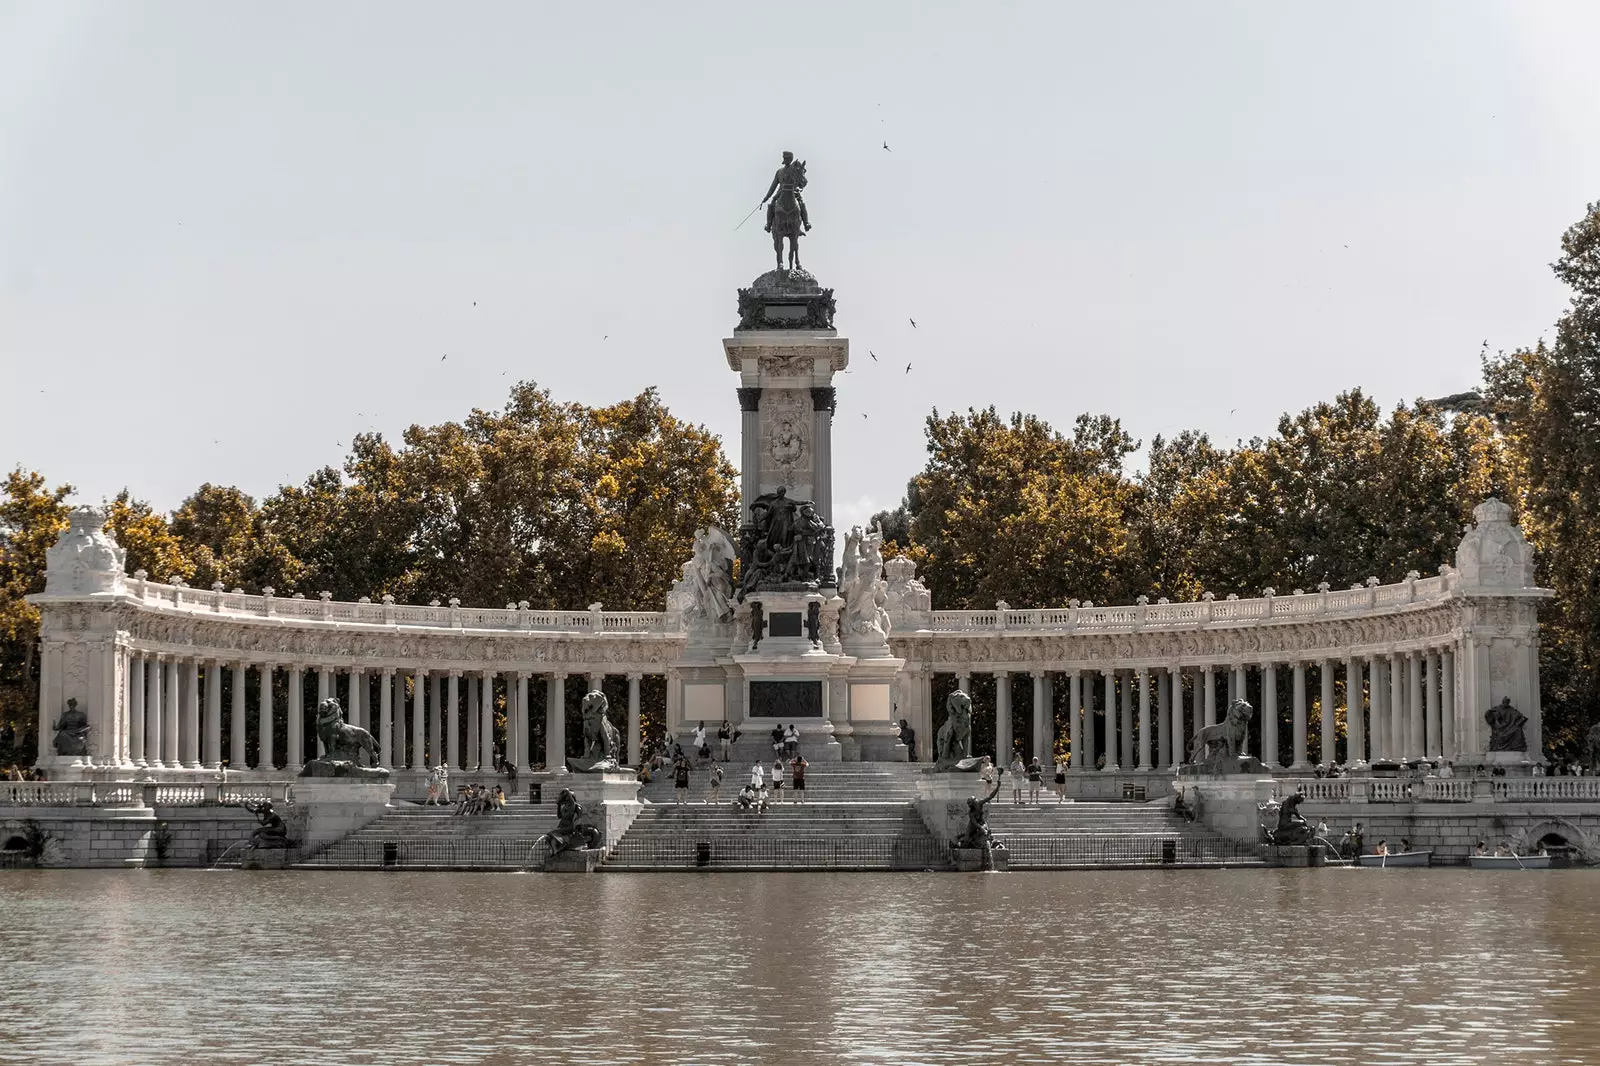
(1442, 966)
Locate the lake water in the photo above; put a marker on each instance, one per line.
(1247, 966)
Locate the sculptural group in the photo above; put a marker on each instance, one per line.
(785, 545)
(72, 731)
(705, 592)
(1507, 727)
(569, 833)
(866, 594)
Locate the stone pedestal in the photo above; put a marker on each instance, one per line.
(333, 808)
(942, 801)
(1293, 855)
(1229, 804)
(610, 801)
(575, 861)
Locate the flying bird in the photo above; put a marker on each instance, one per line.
(863, 414)
(913, 322)
(908, 368)
(443, 357)
(886, 146)
(873, 354)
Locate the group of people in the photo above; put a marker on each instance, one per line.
(755, 793)
(1027, 778)
(479, 799)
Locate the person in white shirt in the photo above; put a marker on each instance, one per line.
(699, 736)
(791, 741)
(758, 777)
(1019, 779)
(777, 780)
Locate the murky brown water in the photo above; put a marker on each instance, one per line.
(1335, 966)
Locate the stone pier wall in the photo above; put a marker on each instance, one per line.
(119, 838)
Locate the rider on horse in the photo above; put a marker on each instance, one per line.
(793, 178)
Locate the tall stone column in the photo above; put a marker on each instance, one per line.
(1329, 732)
(524, 722)
(1234, 685)
(1172, 710)
(191, 714)
(213, 714)
(555, 723)
(1269, 715)
(136, 690)
(1378, 742)
(749, 456)
(1397, 706)
(1077, 756)
(1413, 706)
(1043, 717)
(401, 761)
(1144, 719)
(964, 681)
(419, 719)
(324, 684)
(155, 709)
(823, 401)
(264, 756)
(237, 726)
(633, 718)
(1354, 718)
(1210, 681)
(1197, 698)
(487, 725)
(1447, 698)
(1108, 679)
(295, 713)
(1002, 718)
(1300, 728)
(474, 720)
(452, 719)
(385, 717)
(1125, 684)
(436, 722)
(1435, 739)
(171, 730)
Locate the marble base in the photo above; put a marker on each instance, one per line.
(334, 807)
(1294, 855)
(576, 861)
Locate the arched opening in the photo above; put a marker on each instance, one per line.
(1562, 851)
(15, 843)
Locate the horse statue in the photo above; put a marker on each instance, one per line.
(786, 215)
(1225, 740)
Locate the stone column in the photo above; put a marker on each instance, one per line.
(1210, 682)
(749, 465)
(633, 718)
(1379, 742)
(1435, 739)
(264, 733)
(1043, 718)
(419, 719)
(136, 688)
(474, 719)
(213, 714)
(1414, 706)
(1002, 718)
(1355, 753)
(1447, 702)
(171, 730)
(1078, 754)
(1108, 680)
(1300, 729)
(822, 405)
(1172, 705)
(155, 708)
(1397, 706)
(191, 714)
(296, 714)
(1234, 686)
(324, 684)
(1125, 750)
(452, 719)
(964, 681)
(238, 725)
(555, 721)
(1197, 697)
(487, 725)
(524, 723)
(1144, 719)
(401, 760)
(385, 717)
(436, 722)
(1329, 733)
(1269, 715)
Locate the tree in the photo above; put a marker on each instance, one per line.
(32, 516)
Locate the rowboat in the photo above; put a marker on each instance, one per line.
(1397, 858)
(1509, 862)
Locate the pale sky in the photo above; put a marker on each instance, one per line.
(232, 236)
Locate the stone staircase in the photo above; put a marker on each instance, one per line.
(1062, 836)
(855, 782)
(431, 838)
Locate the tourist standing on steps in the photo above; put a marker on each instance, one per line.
(798, 778)
(1061, 779)
(1019, 775)
(777, 780)
(758, 776)
(1035, 779)
(699, 736)
(986, 774)
(777, 739)
(791, 741)
(680, 780)
(714, 794)
(725, 740)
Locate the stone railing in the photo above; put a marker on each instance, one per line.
(141, 794)
(1298, 606)
(1445, 790)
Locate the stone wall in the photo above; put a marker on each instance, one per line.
(121, 837)
(1450, 830)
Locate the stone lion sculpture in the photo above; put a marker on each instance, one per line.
(1225, 740)
(953, 745)
(601, 740)
(348, 750)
